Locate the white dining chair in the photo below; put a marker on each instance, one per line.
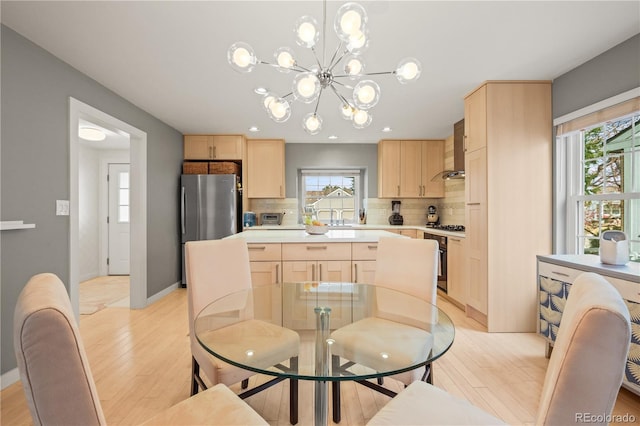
(584, 374)
(57, 380)
(216, 268)
(410, 266)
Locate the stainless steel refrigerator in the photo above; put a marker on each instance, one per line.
(210, 207)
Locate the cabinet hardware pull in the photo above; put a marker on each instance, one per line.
(211, 152)
(372, 247)
(313, 272)
(562, 274)
(464, 145)
(355, 274)
(214, 151)
(320, 272)
(316, 247)
(473, 204)
(398, 189)
(454, 239)
(261, 248)
(277, 273)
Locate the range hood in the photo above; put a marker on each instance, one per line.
(458, 154)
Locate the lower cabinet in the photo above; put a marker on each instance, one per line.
(325, 270)
(456, 282)
(554, 286)
(363, 263)
(265, 264)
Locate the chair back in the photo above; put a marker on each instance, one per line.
(409, 266)
(215, 268)
(53, 365)
(589, 355)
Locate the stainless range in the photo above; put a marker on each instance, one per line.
(442, 243)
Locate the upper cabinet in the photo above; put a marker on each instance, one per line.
(213, 147)
(265, 168)
(406, 168)
(475, 120)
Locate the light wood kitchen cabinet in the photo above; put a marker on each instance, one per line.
(363, 262)
(213, 147)
(265, 265)
(456, 270)
(316, 262)
(265, 168)
(406, 168)
(508, 192)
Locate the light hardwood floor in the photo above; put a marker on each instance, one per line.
(141, 363)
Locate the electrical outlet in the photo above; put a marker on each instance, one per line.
(62, 207)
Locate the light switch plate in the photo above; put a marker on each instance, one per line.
(62, 207)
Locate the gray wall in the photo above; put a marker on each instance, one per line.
(608, 74)
(35, 172)
(331, 155)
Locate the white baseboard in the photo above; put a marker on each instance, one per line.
(9, 378)
(163, 293)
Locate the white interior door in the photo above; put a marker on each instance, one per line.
(118, 220)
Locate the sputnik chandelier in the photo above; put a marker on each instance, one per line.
(309, 82)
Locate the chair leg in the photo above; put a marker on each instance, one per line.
(196, 380)
(381, 381)
(335, 391)
(293, 393)
(428, 374)
(244, 384)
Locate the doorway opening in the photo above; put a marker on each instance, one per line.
(128, 244)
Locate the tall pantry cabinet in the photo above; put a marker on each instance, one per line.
(508, 190)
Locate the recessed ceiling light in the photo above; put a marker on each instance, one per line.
(91, 134)
(260, 90)
(254, 129)
(333, 137)
(386, 129)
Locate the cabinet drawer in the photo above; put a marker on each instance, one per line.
(316, 251)
(364, 251)
(628, 290)
(265, 252)
(559, 273)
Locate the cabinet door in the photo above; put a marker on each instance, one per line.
(334, 270)
(476, 240)
(268, 300)
(432, 165)
(388, 169)
(456, 288)
(297, 271)
(364, 271)
(411, 169)
(198, 147)
(476, 176)
(227, 147)
(475, 120)
(265, 168)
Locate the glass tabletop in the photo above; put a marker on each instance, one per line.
(343, 331)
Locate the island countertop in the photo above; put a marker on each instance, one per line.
(263, 236)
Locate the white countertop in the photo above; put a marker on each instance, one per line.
(591, 263)
(261, 235)
(367, 227)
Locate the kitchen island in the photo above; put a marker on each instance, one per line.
(298, 235)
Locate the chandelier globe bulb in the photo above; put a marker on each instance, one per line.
(241, 57)
(306, 87)
(350, 19)
(366, 94)
(408, 70)
(279, 110)
(361, 119)
(346, 111)
(267, 99)
(358, 42)
(312, 123)
(285, 59)
(353, 66)
(306, 31)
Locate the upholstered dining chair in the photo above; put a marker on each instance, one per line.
(583, 376)
(57, 379)
(408, 265)
(216, 268)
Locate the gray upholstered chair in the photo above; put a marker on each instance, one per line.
(216, 268)
(57, 380)
(583, 376)
(407, 265)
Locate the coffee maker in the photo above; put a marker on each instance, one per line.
(432, 216)
(396, 217)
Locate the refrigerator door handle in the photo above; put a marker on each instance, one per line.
(183, 197)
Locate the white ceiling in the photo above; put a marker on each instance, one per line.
(169, 57)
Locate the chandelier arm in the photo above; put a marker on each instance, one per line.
(379, 73)
(298, 69)
(343, 85)
(342, 98)
(324, 33)
(334, 64)
(315, 111)
(331, 63)
(313, 49)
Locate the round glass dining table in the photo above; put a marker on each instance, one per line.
(347, 331)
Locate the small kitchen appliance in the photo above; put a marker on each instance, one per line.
(614, 248)
(432, 216)
(249, 219)
(271, 218)
(395, 218)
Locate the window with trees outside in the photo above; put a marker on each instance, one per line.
(603, 183)
(332, 195)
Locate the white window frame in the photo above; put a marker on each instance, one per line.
(357, 174)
